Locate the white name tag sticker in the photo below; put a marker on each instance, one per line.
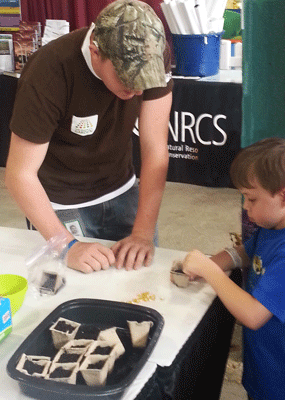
(84, 126)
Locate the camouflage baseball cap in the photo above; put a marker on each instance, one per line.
(132, 36)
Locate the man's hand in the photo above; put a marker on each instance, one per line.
(133, 252)
(89, 257)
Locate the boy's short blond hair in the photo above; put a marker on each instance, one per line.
(263, 161)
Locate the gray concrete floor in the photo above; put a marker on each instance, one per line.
(190, 217)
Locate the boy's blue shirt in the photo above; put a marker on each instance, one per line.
(264, 349)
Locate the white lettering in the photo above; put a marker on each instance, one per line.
(194, 127)
(174, 133)
(186, 156)
(184, 126)
(197, 131)
(175, 148)
(191, 149)
(215, 122)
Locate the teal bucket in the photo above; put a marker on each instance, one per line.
(197, 55)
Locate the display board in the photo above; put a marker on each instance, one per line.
(204, 132)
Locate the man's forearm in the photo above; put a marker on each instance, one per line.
(33, 201)
(21, 177)
(153, 126)
(151, 187)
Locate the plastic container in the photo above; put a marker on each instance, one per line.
(197, 55)
(13, 287)
(93, 315)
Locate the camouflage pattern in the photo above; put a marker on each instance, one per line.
(133, 38)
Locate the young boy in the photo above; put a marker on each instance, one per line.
(258, 172)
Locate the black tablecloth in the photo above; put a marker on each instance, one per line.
(204, 132)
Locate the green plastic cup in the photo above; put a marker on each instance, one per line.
(13, 287)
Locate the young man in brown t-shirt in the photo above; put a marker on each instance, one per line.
(70, 159)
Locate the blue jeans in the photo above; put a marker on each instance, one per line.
(111, 220)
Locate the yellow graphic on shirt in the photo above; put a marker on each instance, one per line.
(257, 265)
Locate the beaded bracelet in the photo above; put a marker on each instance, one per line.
(237, 260)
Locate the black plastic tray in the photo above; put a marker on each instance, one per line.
(93, 315)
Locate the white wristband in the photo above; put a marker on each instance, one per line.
(237, 260)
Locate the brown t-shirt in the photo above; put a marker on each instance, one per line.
(60, 101)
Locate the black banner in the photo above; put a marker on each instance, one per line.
(204, 132)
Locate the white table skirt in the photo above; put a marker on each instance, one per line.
(182, 309)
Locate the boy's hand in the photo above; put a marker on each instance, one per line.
(196, 263)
